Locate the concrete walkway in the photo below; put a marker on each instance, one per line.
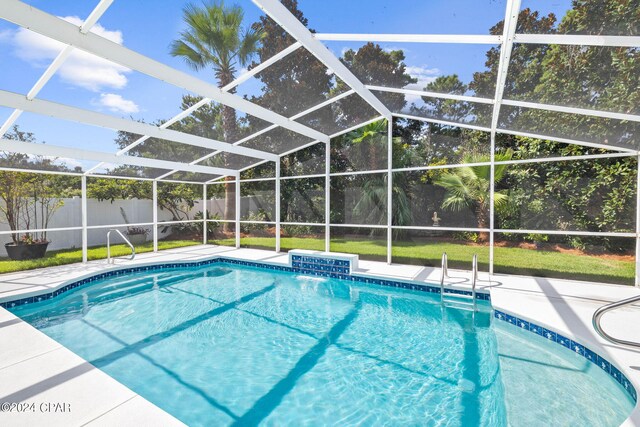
(34, 368)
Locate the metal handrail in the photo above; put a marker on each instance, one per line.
(444, 274)
(133, 250)
(474, 279)
(602, 310)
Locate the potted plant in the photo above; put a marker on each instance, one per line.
(27, 248)
(28, 202)
(137, 235)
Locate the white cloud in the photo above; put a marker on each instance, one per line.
(424, 75)
(392, 48)
(117, 103)
(80, 69)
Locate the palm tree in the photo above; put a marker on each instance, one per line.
(469, 187)
(370, 146)
(215, 38)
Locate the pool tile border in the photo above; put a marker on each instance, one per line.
(572, 345)
(317, 266)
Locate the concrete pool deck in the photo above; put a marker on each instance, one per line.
(35, 368)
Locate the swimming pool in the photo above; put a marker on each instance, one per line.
(224, 344)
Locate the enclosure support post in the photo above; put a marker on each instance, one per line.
(510, 24)
(327, 197)
(389, 189)
(238, 210)
(204, 214)
(278, 206)
(492, 189)
(155, 215)
(84, 218)
(637, 281)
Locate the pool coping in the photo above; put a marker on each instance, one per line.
(620, 372)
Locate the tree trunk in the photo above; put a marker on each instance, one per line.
(230, 128)
(483, 222)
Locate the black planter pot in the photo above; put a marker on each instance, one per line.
(20, 252)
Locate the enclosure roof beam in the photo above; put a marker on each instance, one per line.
(578, 40)
(573, 110)
(48, 150)
(411, 38)
(432, 94)
(93, 17)
(48, 25)
(510, 24)
(442, 122)
(279, 13)
(568, 141)
(80, 115)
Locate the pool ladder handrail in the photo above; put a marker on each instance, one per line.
(597, 315)
(443, 275)
(474, 279)
(113, 260)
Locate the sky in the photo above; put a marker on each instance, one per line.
(89, 82)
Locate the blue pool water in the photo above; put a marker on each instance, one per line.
(224, 345)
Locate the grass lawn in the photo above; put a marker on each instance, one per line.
(68, 256)
(507, 260)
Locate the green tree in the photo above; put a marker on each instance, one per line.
(469, 187)
(215, 38)
(29, 200)
(375, 66)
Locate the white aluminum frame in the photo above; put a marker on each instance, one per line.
(79, 115)
(80, 38)
(411, 38)
(75, 153)
(58, 29)
(279, 13)
(86, 26)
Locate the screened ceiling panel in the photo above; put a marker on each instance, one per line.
(192, 176)
(534, 148)
(426, 65)
(64, 8)
(262, 170)
(471, 113)
(594, 77)
(292, 85)
(23, 57)
(277, 141)
(43, 163)
(405, 16)
(207, 122)
(615, 133)
(617, 18)
(308, 161)
(65, 133)
(138, 24)
(229, 161)
(340, 115)
(129, 171)
(162, 149)
(433, 144)
(108, 88)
